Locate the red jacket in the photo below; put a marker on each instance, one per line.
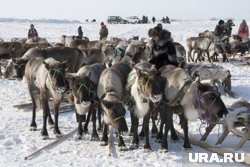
(243, 30)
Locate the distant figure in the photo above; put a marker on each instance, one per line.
(153, 19)
(103, 31)
(167, 20)
(243, 31)
(80, 33)
(228, 27)
(163, 49)
(32, 32)
(146, 19)
(163, 20)
(219, 30)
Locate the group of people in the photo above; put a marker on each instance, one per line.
(163, 20)
(163, 49)
(32, 33)
(225, 29)
(103, 31)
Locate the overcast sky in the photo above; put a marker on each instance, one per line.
(100, 9)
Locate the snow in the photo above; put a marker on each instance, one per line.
(16, 141)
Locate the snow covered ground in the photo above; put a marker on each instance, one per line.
(16, 141)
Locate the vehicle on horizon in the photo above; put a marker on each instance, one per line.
(133, 20)
(116, 20)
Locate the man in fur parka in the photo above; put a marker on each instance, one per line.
(163, 49)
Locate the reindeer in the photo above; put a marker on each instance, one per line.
(190, 100)
(110, 91)
(144, 90)
(45, 79)
(75, 58)
(83, 85)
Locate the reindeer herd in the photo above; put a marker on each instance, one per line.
(103, 78)
(207, 46)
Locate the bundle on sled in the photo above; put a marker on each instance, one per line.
(237, 122)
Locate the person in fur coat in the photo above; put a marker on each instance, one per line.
(163, 49)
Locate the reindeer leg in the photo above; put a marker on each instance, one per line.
(132, 125)
(164, 143)
(56, 130)
(146, 131)
(160, 134)
(142, 134)
(99, 118)
(184, 125)
(94, 136)
(105, 135)
(45, 104)
(174, 136)
(50, 120)
(154, 130)
(121, 143)
(79, 130)
(135, 140)
(85, 128)
(33, 125)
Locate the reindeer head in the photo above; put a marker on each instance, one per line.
(17, 68)
(208, 100)
(56, 74)
(83, 90)
(114, 111)
(148, 85)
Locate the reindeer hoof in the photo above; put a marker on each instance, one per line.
(123, 148)
(163, 150)
(104, 143)
(46, 137)
(78, 137)
(188, 149)
(175, 140)
(146, 150)
(133, 146)
(58, 135)
(51, 126)
(94, 138)
(32, 128)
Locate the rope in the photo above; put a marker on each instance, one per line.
(117, 118)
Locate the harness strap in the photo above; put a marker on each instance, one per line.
(117, 118)
(179, 95)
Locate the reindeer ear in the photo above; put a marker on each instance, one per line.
(46, 65)
(13, 59)
(138, 72)
(70, 77)
(88, 74)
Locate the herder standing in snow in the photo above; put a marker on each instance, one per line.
(80, 33)
(163, 48)
(32, 32)
(103, 31)
(243, 31)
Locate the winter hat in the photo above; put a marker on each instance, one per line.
(221, 22)
(155, 31)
